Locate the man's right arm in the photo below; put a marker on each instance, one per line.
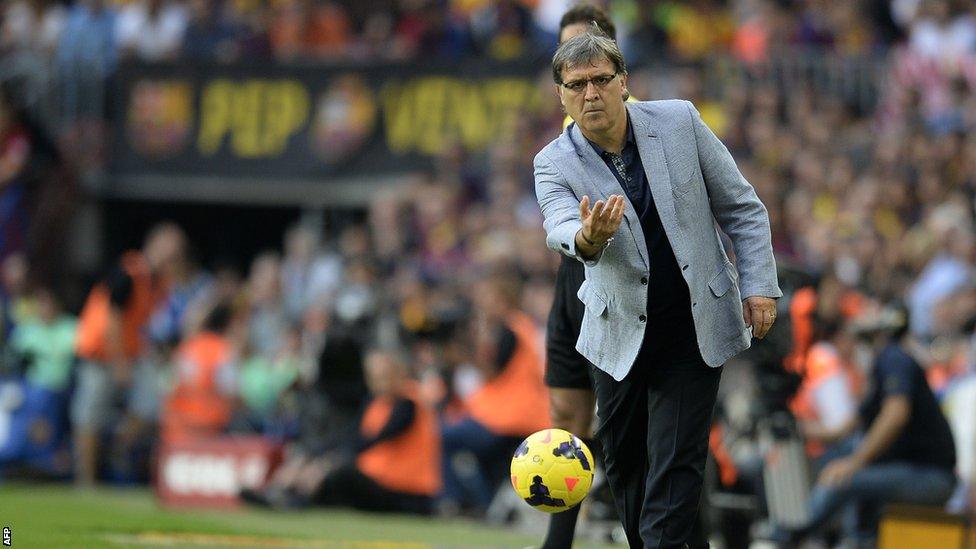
(586, 249)
(560, 208)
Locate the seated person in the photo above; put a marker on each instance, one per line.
(203, 399)
(393, 465)
(511, 404)
(40, 357)
(907, 454)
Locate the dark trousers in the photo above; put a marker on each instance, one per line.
(348, 487)
(665, 408)
(492, 454)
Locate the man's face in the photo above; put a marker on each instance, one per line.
(595, 108)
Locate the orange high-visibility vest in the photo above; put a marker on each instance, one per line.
(93, 324)
(802, 308)
(409, 462)
(515, 402)
(822, 363)
(197, 407)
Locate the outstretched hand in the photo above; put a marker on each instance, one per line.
(600, 223)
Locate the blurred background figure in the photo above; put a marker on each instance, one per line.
(110, 343)
(37, 372)
(15, 151)
(203, 398)
(511, 401)
(152, 30)
(391, 465)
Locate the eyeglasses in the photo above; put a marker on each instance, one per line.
(600, 82)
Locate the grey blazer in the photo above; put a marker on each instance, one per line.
(695, 183)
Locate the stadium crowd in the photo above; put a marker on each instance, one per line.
(446, 281)
(288, 30)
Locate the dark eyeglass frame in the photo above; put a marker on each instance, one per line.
(600, 81)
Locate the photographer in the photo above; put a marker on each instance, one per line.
(906, 454)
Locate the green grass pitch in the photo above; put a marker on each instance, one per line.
(61, 516)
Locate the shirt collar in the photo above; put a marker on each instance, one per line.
(630, 138)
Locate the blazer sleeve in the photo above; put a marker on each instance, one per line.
(739, 212)
(560, 208)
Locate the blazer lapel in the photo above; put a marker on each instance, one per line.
(659, 177)
(602, 178)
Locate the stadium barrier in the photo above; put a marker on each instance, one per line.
(212, 472)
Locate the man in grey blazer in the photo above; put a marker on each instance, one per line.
(664, 306)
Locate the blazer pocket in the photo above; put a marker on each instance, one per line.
(690, 182)
(595, 303)
(721, 282)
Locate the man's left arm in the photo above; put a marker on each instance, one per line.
(896, 409)
(742, 216)
(895, 413)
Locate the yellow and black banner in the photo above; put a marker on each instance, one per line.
(309, 122)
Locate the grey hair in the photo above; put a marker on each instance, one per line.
(585, 48)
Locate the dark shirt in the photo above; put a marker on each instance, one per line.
(120, 286)
(670, 333)
(926, 439)
(209, 40)
(401, 418)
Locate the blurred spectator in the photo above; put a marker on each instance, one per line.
(831, 388)
(16, 303)
(86, 57)
(499, 30)
(151, 30)
(33, 25)
(110, 342)
(949, 269)
(697, 28)
(88, 41)
(267, 315)
(226, 286)
(202, 400)
(940, 31)
(15, 151)
(332, 403)
(358, 299)
(183, 283)
(511, 403)
(263, 382)
(392, 465)
(252, 19)
(310, 28)
(309, 278)
(960, 407)
(34, 390)
(45, 345)
(209, 35)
